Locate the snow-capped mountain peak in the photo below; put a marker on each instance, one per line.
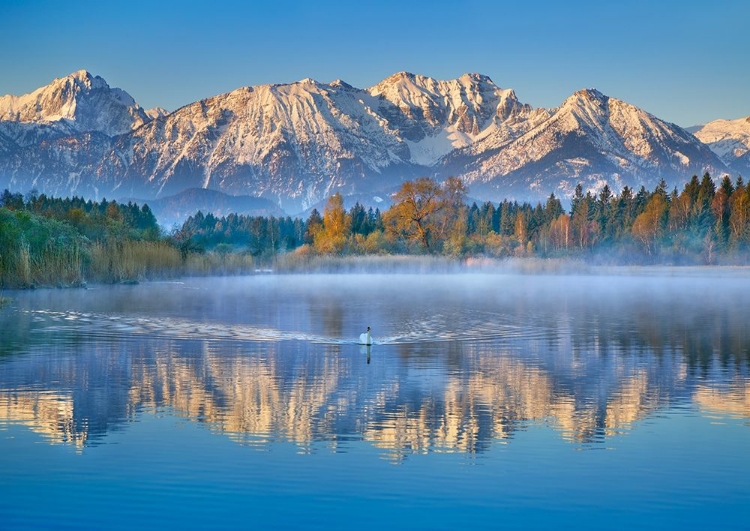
(588, 107)
(298, 143)
(589, 94)
(79, 101)
(437, 116)
(593, 138)
(156, 112)
(88, 80)
(730, 140)
(339, 83)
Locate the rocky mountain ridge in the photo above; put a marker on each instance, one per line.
(295, 144)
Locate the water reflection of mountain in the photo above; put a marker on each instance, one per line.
(732, 400)
(461, 372)
(46, 413)
(464, 399)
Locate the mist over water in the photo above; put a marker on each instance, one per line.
(655, 310)
(498, 369)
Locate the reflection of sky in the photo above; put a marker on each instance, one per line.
(172, 473)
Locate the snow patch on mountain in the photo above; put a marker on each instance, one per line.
(431, 148)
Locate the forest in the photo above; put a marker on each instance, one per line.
(46, 241)
(701, 224)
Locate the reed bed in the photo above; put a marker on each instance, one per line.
(133, 261)
(206, 264)
(53, 265)
(66, 263)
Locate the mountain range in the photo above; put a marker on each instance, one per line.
(295, 144)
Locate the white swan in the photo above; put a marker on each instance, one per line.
(366, 338)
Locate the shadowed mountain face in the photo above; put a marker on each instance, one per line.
(297, 144)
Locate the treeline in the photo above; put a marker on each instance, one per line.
(51, 241)
(47, 241)
(257, 235)
(702, 224)
(96, 221)
(267, 237)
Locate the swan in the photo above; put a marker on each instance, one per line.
(366, 338)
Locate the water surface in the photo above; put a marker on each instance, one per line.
(608, 401)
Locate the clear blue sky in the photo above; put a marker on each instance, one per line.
(686, 62)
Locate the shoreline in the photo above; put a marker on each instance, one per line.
(421, 265)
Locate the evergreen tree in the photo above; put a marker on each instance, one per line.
(473, 220)
(702, 217)
(720, 208)
(359, 221)
(577, 198)
(507, 218)
(314, 224)
(487, 218)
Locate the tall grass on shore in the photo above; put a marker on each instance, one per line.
(214, 263)
(38, 251)
(75, 263)
(132, 261)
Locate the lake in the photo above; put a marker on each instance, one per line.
(494, 401)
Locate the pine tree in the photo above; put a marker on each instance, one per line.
(314, 224)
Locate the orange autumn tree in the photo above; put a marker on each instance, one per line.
(425, 212)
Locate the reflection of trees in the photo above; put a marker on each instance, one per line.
(245, 397)
(634, 399)
(702, 326)
(503, 394)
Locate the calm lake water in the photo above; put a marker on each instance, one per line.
(488, 401)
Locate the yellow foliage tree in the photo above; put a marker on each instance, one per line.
(647, 226)
(332, 237)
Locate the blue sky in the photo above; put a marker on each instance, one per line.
(686, 62)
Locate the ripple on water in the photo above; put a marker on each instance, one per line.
(437, 328)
